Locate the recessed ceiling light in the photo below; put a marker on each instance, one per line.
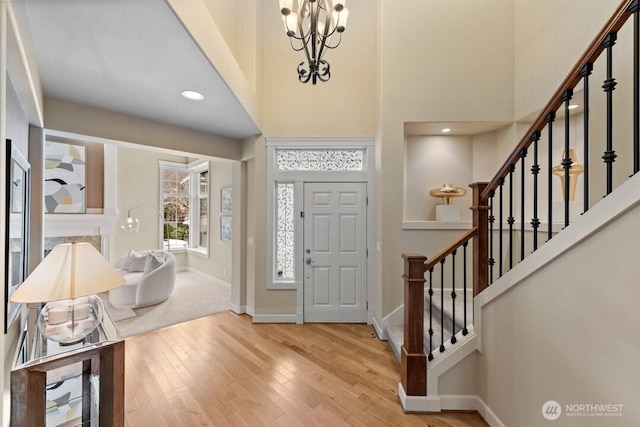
(192, 95)
(446, 130)
(573, 106)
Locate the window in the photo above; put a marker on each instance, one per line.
(284, 232)
(185, 201)
(320, 160)
(292, 162)
(203, 209)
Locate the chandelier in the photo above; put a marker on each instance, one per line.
(311, 27)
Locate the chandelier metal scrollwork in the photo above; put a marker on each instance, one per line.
(311, 26)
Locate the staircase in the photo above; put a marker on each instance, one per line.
(395, 332)
(514, 216)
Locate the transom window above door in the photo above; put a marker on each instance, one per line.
(291, 163)
(320, 160)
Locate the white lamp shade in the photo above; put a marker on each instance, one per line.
(70, 270)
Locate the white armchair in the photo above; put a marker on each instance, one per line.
(144, 285)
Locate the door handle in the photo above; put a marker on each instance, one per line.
(308, 261)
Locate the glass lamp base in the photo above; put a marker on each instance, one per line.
(69, 321)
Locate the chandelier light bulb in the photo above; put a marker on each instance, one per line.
(286, 6)
(311, 26)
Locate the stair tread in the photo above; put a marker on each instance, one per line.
(395, 333)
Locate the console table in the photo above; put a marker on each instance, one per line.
(53, 384)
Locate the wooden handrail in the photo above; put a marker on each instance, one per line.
(455, 245)
(594, 50)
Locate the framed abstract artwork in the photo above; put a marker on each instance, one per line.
(64, 178)
(225, 228)
(18, 184)
(225, 199)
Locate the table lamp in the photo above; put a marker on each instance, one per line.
(67, 280)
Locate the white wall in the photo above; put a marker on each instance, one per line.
(565, 333)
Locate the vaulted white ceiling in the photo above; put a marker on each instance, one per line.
(133, 57)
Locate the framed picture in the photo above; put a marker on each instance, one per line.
(17, 228)
(64, 178)
(225, 199)
(225, 228)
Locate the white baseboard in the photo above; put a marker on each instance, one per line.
(380, 330)
(418, 403)
(238, 309)
(249, 310)
(471, 403)
(275, 318)
(205, 276)
(448, 403)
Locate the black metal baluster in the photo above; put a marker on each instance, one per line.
(551, 117)
(430, 357)
(465, 331)
(453, 296)
(511, 220)
(566, 160)
(492, 219)
(585, 73)
(636, 86)
(609, 86)
(500, 237)
(442, 305)
(523, 155)
(535, 170)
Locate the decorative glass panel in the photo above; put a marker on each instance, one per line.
(320, 160)
(284, 232)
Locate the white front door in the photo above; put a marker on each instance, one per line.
(335, 252)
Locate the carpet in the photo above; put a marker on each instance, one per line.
(194, 296)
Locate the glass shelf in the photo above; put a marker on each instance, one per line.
(62, 385)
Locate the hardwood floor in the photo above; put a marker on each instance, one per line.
(223, 370)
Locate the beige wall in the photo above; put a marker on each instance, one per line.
(293, 109)
(440, 62)
(563, 333)
(138, 183)
(84, 120)
(550, 36)
(218, 262)
(432, 161)
(236, 20)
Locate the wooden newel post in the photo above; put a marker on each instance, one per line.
(413, 360)
(480, 210)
